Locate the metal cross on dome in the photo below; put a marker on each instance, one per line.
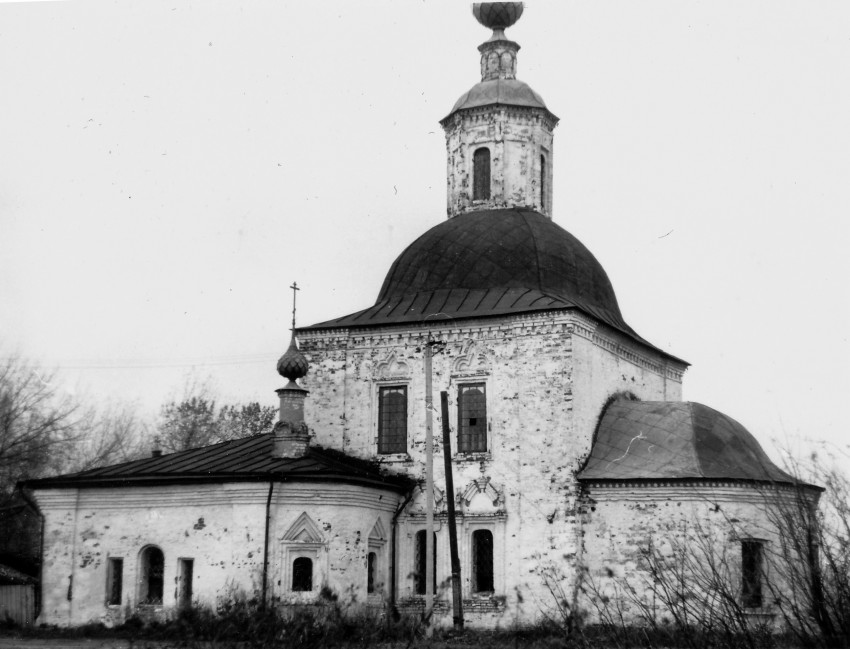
(294, 288)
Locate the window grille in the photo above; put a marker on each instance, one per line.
(419, 563)
(751, 573)
(481, 174)
(114, 579)
(482, 561)
(153, 566)
(472, 418)
(392, 419)
(302, 574)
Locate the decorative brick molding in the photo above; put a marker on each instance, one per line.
(391, 368)
(467, 333)
(470, 361)
(481, 485)
(691, 490)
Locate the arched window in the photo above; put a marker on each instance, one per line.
(371, 570)
(302, 574)
(481, 174)
(543, 182)
(482, 561)
(152, 565)
(419, 566)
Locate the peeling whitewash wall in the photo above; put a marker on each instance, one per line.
(516, 138)
(710, 521)
(547, 378)
(220, 526)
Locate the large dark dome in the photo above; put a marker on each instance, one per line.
(501, 249)
(491, 262)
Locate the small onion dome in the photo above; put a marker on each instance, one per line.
(292, 365)
(497, 15)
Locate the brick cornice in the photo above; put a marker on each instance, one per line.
(692, 490)
(568, 322)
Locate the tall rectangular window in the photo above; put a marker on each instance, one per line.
(392, 419)
(419, 563)
(185, 570)
(302, 574)
(481, 174)
(472, 418)
(482, 561)
(114, 581)
(371, 571)
(752, 559)
(543, 182)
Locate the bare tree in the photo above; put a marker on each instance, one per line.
(111, 434)
(813, 553)
(193, 420)
(236, 421)
(685, 593)
(189, 423)
(36, 422)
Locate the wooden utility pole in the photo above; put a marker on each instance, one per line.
(429, 492)
(457, 599)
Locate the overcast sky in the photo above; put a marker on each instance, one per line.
(167, 169)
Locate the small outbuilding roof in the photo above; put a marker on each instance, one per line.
(242, 460)
(664, 439)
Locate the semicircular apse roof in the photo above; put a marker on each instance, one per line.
(666, 439)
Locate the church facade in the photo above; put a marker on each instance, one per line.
(570, 444)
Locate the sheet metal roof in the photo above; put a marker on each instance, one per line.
(241, 460)
(663, 439)
(489, 263)
(505, 92)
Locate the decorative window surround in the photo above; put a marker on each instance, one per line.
(303, 539)
(377, 545)
(481, 485)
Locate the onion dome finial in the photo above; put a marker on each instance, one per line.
(498, 16)
(293, 364)
(498, 53)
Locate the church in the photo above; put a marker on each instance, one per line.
(570, 445)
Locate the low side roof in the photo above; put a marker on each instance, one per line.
(664, 439)
(242, 460)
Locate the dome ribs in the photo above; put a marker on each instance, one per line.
(445, 301)
(519, 297)
(536, 251)
(424, 310)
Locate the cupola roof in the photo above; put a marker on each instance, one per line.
(506, 92)
(293, 364)
(499, 85)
